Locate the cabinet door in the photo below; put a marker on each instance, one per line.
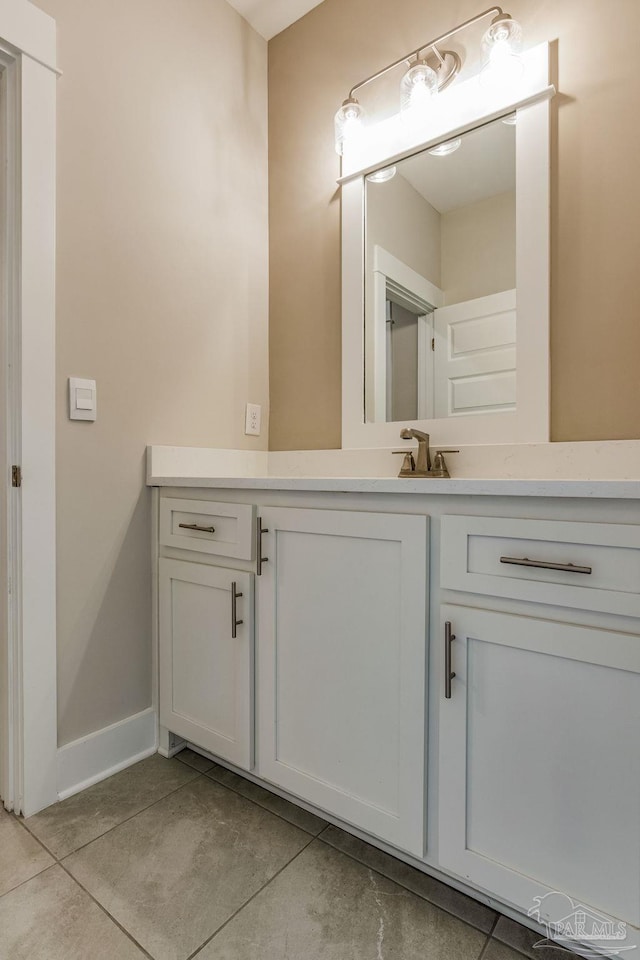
(206, 675)
(341, 666)
(539, 770)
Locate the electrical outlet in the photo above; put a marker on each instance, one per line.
(252, 419)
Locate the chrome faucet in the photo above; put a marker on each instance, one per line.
(421, 467)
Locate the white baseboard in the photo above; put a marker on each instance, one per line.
(99, 755)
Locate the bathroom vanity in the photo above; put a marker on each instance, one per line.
(448, 668)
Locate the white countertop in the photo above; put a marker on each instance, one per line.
(601, 489)
(321, 471)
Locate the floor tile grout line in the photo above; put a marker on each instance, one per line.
(119, 824)
(251, 898)
(489, 937)
(421, 896)
(77, 883)
(262, 807)
(212, 764)
(106, 912)
(28, 880)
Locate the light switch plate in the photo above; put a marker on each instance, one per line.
(82, 399)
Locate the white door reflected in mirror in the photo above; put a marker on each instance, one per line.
(440, 301)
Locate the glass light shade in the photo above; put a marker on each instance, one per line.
(348, 123)
(417, 87)
(503, 66)
(381, 176)
(444, 149)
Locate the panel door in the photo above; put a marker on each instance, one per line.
(475, 362)
(539, 766)
(341, 670)
(206, 675)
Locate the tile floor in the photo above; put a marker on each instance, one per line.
(179, 859)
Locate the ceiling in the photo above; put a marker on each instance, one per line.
(485, 165)
(268, 17)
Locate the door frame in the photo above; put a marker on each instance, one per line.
(421, 295)
(28, 754)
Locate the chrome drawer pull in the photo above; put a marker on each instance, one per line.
(545, 565)
(448, 672)
(195, 526)
(235, 623)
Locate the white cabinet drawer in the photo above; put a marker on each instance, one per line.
(515, 558)
(223, 529)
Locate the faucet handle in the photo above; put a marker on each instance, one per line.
(439, 465)
(408, 467)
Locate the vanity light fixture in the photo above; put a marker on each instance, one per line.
(501, 53)
(417, 86)
(431, 69)
(348, 122)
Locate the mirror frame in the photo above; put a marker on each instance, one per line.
(460, 109)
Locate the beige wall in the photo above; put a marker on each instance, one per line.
(478, 248)
(400, 220)
(595, 215)
(162, 297)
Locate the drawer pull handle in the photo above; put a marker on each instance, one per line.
(545, 564)
(448, 672)
(261, 559)
(235, 623)
(196, 526)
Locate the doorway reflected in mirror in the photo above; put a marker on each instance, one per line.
(440, 305)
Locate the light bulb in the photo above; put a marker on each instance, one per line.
(503, 66)
(348, 123)
(417, 87)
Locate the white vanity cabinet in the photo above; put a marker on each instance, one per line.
(521, 783)
(342, 633)
(206, 625)
(539, 725)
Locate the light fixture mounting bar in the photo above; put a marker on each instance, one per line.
(432, 44)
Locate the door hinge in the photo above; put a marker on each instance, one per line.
(433, 343)
(16, 476)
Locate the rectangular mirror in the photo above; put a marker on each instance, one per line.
(445, 270)
(440, 280)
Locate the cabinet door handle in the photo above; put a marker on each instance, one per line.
(448, 673)
(235, 623)
(545, 564)
(261, 559)
(196, 526)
